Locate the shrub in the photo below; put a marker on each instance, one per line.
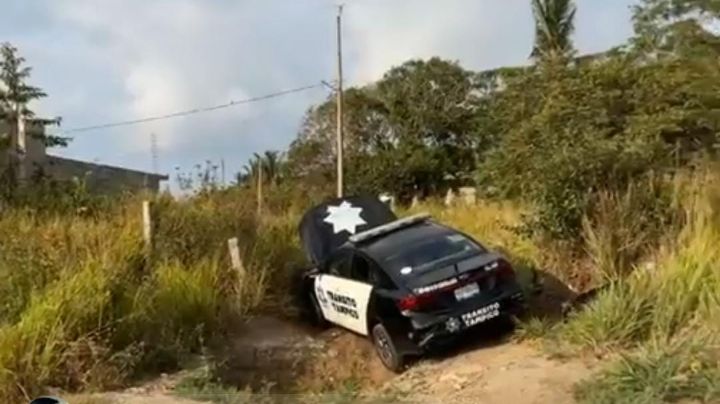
(669, 315)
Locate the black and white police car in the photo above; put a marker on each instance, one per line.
(408, 283)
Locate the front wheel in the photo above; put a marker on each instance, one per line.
(386, 350)
(318, 316)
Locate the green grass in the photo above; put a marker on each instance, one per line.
(203, 386)
(82, 307)
(686, 368)
(664, 321)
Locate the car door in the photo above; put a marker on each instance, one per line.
(343, 300)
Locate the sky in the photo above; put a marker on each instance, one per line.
(103, 61)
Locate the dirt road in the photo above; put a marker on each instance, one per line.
(485, 371)
(504, 373)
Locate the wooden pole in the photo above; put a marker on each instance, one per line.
(260, 188)
(340, 185)
(147, 226)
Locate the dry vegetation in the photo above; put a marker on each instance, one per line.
(82, 307)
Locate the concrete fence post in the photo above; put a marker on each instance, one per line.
(388, 199)
(235, 259)
(147, 226)
(449, 197)
(469, 195)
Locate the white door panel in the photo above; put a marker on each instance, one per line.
(344, 301)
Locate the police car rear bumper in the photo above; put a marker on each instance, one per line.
(431, 328)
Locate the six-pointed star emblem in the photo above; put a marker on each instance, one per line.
(344, 218)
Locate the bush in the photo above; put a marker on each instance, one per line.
(569, 134)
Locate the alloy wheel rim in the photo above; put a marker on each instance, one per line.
(383, 347)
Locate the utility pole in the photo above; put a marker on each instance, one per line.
(222, 171)
(259, 187)
(339, 106)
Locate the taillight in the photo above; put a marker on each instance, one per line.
(416, 302)
(408, 303)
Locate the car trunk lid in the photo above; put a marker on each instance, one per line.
(463, 282)
(327, 226)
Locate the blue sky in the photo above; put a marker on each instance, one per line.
(109, 60)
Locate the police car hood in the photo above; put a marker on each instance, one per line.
(327, 226)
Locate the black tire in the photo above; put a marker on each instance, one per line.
(386, 349)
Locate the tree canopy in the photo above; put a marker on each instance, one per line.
(554, 26)
(554, 134)
(16, 94)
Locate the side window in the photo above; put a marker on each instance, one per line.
(341, 265)
(380, 279)
(361, 269)
(368, 272)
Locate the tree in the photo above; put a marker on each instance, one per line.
(273, 167)
(554, 26)
(16, 95)
(312, 156)
(676, 28)
(413, 131)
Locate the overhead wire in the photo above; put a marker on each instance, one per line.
(191, 111)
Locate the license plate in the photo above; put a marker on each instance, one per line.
(481, 315)
(467, 291)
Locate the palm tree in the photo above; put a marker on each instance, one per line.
(554, 25)
(271, 164)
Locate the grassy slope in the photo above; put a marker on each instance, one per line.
(665, 321)
(83, 307)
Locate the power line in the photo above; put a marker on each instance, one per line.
(192, 111)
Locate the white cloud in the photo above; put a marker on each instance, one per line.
(480, 34)
(104, 61)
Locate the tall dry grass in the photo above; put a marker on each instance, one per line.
(665, 319)
(623, 228)
(82, 306)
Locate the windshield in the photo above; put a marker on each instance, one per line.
(422, 255)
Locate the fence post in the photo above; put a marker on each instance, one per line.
(147, 226)
(235, 259)
(469, 195)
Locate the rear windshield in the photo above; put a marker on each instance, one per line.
(423, 255)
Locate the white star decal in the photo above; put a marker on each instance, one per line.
(344, 218)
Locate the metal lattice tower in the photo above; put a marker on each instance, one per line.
(154, 152)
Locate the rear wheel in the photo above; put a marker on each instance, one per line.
(386, 349)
